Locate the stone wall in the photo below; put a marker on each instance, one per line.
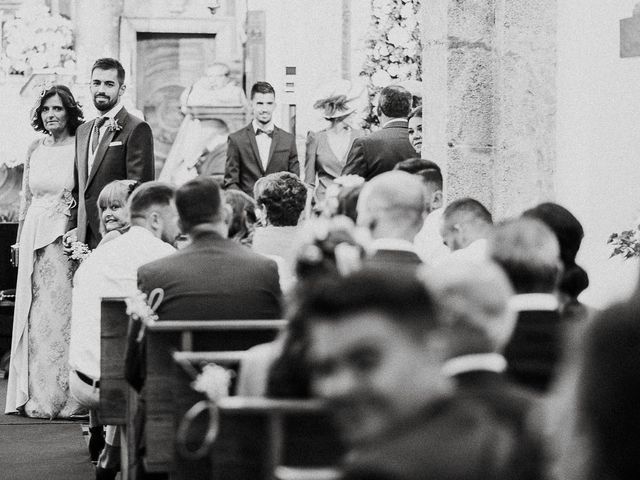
(489, 99)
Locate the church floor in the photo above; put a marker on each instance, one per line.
(37, 449)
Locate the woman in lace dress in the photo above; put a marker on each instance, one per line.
(38, 374)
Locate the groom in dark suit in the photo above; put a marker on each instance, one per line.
(260, 148)
(114, 146)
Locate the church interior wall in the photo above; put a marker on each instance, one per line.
(597, 176)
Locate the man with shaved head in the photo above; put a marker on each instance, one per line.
(392, 208)
(466, 224)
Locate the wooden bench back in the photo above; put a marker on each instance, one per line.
(165, 337)
(114, 389)
(256, 435)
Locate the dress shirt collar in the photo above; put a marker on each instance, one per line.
(534, 301)
(392, 244)
(397, 122)
(113, 112)
(268, 127)
(489, 362)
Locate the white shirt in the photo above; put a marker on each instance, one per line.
(545, 302)
(92, 155)
(476, 251)
(428, 241)
(264, 142)
(488, 362)
(392, 244)
(111, 270)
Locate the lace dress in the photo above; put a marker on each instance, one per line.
(38, 375)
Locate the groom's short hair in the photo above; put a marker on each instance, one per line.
(150, 194)
(110, 64)
(199, 201)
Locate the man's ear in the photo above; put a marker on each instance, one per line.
(437, 200)
(123, 88)
(227, 214)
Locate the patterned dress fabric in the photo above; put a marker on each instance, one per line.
(38, 375)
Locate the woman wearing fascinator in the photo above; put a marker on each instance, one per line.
(38, 371)
(327, 149)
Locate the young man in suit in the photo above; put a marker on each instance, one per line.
(375, 353)
(392, 208)
(382, 150)
(114, 146)
(259, 148)
(529, 253)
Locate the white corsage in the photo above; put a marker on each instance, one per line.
(214, 382)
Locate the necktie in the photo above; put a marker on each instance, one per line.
(268, 133)
(95, 136)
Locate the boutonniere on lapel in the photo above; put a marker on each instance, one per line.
(113, 125)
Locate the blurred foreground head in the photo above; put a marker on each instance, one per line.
(528, 252)
(374, 349)
(473, 299)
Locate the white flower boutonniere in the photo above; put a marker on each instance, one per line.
(113, 125)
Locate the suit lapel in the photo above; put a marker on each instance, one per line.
(121, 117)
(274, 140)
(254, 146)
(83, 153)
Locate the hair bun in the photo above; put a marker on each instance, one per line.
(574, 280)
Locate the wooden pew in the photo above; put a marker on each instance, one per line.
(118, 400)
(258, 438)
(165, 337)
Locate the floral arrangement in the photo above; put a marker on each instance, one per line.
(78, 251)
(114, 126)
(138, 308)
(626, 244)
(37, 39)
(214, 382)
(394, 49)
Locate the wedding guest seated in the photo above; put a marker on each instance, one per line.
(243, 216)
(574, 279)
(111, 271)
(213, 278)
(278, 369)
(113, 210)
(529, 254)
(598, 437)
(474, 297)
(391, 207)
(428, 242)
(376, 353)
(341, 197)
(466, 224)
(281, 199)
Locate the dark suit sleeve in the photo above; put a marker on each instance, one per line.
(356, 164)
(135, 353)
(75, 192)
(232, 166)
(294, 166)
(310, 159)
(140, 159)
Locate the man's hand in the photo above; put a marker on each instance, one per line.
(67, 239)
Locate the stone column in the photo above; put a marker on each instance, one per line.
(97, 29)
(489, 96)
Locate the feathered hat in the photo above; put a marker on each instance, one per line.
(335, 106)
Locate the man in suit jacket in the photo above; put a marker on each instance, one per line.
(379, 152)
(259, 148)
(376, 352)
(114, 146)
(529, 253)
(474, 298)
(392, 208)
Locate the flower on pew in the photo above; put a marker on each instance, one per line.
(139, 309)
(214, 382)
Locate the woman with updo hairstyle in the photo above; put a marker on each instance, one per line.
(569, 232)
(281, 200)
(38, 372)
